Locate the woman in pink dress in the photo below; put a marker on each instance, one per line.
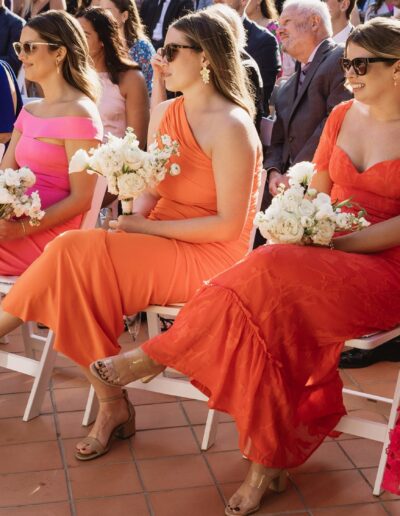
(48, 132)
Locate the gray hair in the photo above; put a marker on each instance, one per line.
(233, 20)
(307, 8)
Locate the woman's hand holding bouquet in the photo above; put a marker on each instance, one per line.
(129, 171)
(301, 215)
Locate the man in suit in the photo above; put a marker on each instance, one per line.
(304, 102)
(10, 31)
(262, 47)
(157, 16)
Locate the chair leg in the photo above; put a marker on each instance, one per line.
(153, 325)
(26, 337)
(92, 406)
(392, 421)
(210, 430)
(42, 379)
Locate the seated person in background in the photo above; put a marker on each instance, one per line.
(188, 229)
(10, 101)
(340, 11)
(124, 101)
(30, 8)
(262, 47)
(131, 28)
(48, 132)
(262, 340)
(157, 16)
(10, 31)
(304, 102)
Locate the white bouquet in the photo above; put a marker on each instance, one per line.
(128, 169)
(13, 200)
(301, 215)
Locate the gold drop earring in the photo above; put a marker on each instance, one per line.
(58, 66)
(205, 74)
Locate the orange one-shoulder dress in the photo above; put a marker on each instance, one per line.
(85, 281)
(263, 338)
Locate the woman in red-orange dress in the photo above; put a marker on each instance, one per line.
(263, 339)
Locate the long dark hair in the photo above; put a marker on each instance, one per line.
(115, 55)
(133, 26)
(63, 30)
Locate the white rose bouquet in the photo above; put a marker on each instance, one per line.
(14, 202)
(301, 215)
(128, 170)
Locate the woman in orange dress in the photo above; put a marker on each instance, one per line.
(263, 338)
(195, 225)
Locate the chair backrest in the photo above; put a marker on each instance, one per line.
(263, 180)
(90, 218)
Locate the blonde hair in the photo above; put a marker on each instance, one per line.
(215, 38)
(234, 21)
(63, 30)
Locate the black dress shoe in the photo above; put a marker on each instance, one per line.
(358, 358)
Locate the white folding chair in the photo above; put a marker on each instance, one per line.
(164, 384)
(42, 369)
(363, 427)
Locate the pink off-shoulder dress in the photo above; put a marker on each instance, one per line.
(49, 162)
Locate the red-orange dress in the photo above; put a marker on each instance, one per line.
(263, 338)
(85, 281)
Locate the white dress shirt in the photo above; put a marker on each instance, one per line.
(341, 37)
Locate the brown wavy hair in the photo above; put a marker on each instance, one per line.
(61, 29)
(133, 27)
(213, 35)
(380, 36)
(116, 57)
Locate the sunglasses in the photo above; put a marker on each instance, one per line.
(170, 51)
(29, 47)
(360, 64)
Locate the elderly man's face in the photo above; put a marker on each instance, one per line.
(293, 30)
(235, 4)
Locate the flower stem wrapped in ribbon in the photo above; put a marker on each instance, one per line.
(129, 171)
(301, 215)
(14, 202)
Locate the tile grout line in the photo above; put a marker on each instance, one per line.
(141, 481)
(203, 454)
(62, 451)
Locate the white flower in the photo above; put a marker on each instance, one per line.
(363, 222)
(343, 220)
(325, 211)
(12, 177)
(306, 208)
(301, 173)
(175, 169)
(324, 232)
(166, 139)
(79, 161)
(130, 186)
(5, 196)
(321, 199)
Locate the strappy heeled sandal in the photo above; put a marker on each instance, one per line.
(136, 363)
(121, 431)
(262, 482)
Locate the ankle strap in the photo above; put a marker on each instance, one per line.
(122, 395)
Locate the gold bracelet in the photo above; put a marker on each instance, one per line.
(23, 227)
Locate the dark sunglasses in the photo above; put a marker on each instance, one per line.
(30, 46)
(360, 64)
(170, 51)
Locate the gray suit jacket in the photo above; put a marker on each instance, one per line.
(301, 114)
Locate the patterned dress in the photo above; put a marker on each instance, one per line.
(142, 52)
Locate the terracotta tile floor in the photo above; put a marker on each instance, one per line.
(161, 471)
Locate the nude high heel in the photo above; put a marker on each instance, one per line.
(262, 482)
(121, 431)
(127, 367)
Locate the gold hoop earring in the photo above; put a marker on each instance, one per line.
(205, 74)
